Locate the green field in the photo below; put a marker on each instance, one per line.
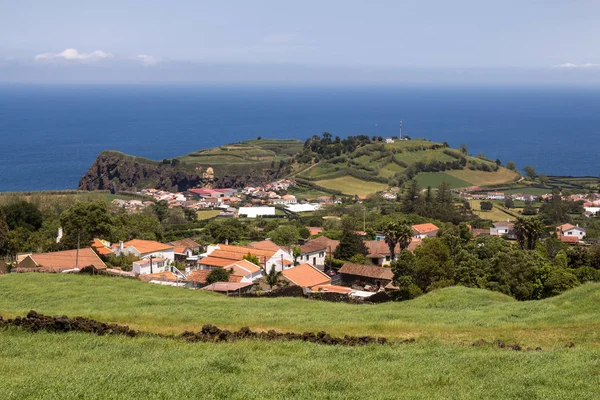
(77, 365)
(482, 178)
(351, 186)
(529, 190)
(434, 179)
(207, 214)
(495, 214)
(442, 363)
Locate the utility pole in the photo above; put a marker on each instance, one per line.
(151, 258)
(400, 130)
(365, 219)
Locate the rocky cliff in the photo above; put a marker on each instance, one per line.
(116, 171)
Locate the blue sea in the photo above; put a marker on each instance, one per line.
(50, 135)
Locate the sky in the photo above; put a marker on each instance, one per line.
(536, 41)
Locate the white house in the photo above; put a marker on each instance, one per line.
(568, 230)
(306, 207)
(150, 266)
(502, 228)
(146, 249)
(285, 200)
(222, 255)
(422, 231)
(495, 196)
(316, 251)
(389, 140)
(253, 212)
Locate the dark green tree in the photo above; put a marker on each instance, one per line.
(23, 214)
(85, 221)
(218, 275)
(161, 210)
(350, 245)
(272, 277)
(530, 172)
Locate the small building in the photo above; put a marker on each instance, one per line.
(495, 196)
(389, 140)
(254, 212)
(421, 231)
(316, 251)
(61, 261)
(229, 287)
(149, 266)
(306, 276)
(503, 228)
(146, 249)
(567, 231)
(358, 274)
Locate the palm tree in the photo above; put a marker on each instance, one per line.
(521, 231)
(534, 232)
(272, 277)
(397, 234)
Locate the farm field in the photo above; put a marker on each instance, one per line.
(207, 214)
(494, 215)
(351, 186)
(78, 365)
(434, 179)
(483, 178)
(454, 315)
(529, 190)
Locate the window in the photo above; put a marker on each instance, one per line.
(387, 258)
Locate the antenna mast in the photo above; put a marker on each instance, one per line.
(400, 130)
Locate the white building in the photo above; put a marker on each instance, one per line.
(253, 212)
(316, 251)
(568, 230)
(501, 228)
(150, 266)
(495, 196)
(307, 207)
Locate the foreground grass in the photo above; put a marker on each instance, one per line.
(452, 315)
(77, 365)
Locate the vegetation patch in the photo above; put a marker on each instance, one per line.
(352, 186)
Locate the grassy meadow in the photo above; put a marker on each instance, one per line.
(495, 214)
(441, 364)
(454, 315)
(78, 365)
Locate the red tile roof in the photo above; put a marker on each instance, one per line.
(368, 271)
(265, 245)
(331, 289)
(63, 260)
(306, 275)
(101, 248)
(226, 286)
(425, 228)
(320, 243)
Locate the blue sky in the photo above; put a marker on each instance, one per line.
(341, 41)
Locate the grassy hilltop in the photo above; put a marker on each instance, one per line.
(441, 364)
(362, 168)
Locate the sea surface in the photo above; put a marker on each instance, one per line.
(50, 135)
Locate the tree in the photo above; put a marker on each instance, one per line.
(161, 210)
(350, 245)
(218, 275)
(543, 178)
(509, 202)
(23, 214)
(296, 252)
(511, 165)
(433, 265)
(3, 235)
(464, 149)
(252, 258)
(486, 206)
(410, 203)
(285, 235)
(480, 155)
(528, 232)
(530, 172)
(82, 222)
(272, 277)
(190, 214)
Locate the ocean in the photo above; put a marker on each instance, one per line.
(50, 135)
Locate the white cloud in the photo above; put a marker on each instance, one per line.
(73, 54)
(574, 66)
(147, 59)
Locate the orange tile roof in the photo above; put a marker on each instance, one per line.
(147, 246)
(180, 250)
(265, 245)
(215, 261)
(159, 276)
(569, 239)
(243, 250)
(63, 260)
(425, 228)
(226, 286)
(199, 276)
(306, 275)
(320, 243)
(369, 271)
(101, 248)
(189, 243)
(565, 227)
(314, 230)
(245, 265)
(331, 289)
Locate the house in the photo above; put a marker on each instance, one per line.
(61, 261)
(150, 266)
(229, 287)
(352, 274)
(495, 196)
(379, 251)
(567, 232)
(389, 140)
(389, 196)
(422, 231)
(306, 207)
(285, 200)
(314, 230)
(222, 255)
(266, 244)
(316, 251)
(503, 228)
(188, 244)
(186, 251)
(306, 276)
(253, 212)
(102, 247)
(242, 271)
(146, 249)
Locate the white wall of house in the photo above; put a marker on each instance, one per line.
(315, 258)
(575, 232)
(276, 260)
(143, 268)
(503, 230)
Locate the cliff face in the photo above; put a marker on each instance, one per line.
(116, 171)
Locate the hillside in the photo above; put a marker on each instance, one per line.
(360, 168)
(452, 315)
